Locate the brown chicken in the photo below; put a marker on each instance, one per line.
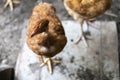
(82, 10)
(10, 3)
(45, 33)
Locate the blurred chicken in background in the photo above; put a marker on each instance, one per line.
(83, 10)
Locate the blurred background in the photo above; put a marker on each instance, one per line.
(13, 25)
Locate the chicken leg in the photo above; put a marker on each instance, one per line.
(41, 58)
(82, 37)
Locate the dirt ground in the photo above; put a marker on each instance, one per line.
(12, 23)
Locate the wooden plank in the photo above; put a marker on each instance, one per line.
(97, 62)
(6, 72)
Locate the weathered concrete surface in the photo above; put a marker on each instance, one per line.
(12, 23)
(98, 62)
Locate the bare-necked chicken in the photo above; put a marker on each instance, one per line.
(45, 33)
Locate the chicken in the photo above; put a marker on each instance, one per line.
(82, 10)
(10, 3)
(45, 34)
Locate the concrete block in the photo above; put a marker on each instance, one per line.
(97, 62)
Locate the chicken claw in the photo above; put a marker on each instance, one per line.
(10, 3)
(49, 62)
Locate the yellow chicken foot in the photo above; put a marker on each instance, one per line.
(10, 3)
(49, 62)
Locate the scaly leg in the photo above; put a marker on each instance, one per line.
(10, 3)
(82, 35)
(49, 62)
(40, 58)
